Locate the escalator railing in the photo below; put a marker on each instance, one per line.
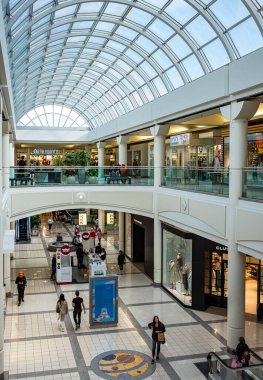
(220, 369)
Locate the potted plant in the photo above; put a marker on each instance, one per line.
(35, 222)
(58, 161)
(82, 158)
(93, 175)
(69, 160)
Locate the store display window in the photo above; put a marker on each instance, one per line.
(128, 227)
(219, 274)
(177, 266)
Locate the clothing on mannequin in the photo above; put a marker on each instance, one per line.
(190, 282)
(217, 269)
(185, 274)
(172, 273)
(179, 266)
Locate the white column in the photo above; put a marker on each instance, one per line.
(1, 259)
(122, 142)
(7, 274)
(121, 231)
(12, 158)
(159, 132)
(101, 153)
(6, 161)
(238, 114)
(101, 158)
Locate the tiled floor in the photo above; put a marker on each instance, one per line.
(35, 348)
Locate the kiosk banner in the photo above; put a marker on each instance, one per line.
(103, 302)
(64, 270)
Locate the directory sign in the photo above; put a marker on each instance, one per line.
(64, 269)
(103, 300)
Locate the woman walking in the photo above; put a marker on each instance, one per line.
(121, 261)
(62, 310)
(157, 327)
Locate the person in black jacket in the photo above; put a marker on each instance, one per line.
(53, 267)
(242, 351)
(21, 284)
(121, 261)
(80, 255)
(156, 326)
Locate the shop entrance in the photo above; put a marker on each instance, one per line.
(253, 286)
(138, 249)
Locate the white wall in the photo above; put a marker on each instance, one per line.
(202, 214)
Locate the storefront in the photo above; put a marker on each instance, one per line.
(195, 149)
(139, 242)
(255, 147)
(195, 271)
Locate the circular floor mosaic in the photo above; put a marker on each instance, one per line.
(123, 364)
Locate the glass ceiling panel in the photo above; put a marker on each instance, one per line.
(115, 56)
(52, 116)
(181, 11)
(229, 12)
(246, 42)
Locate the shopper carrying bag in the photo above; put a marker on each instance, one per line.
(158, 338)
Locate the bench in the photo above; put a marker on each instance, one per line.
(23, 181)
(115, 179)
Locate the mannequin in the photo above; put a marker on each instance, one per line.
(217, 268)
(190, 282)
(172, 272)
(179, 266)
(185, 274)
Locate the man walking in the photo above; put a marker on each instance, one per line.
(78, 305)
(21, 284)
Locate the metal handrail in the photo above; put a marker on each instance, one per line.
(230, 373)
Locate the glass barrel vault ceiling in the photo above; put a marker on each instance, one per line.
(105, 58)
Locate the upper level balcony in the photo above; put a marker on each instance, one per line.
(204, 180)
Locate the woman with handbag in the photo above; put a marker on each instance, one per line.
(158, 330)
(62, 310)
(242, 351)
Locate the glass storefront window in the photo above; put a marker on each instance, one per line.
(255, 150)
(128, 235)
(177, 266)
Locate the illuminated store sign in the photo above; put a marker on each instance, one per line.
(183, 139)
(46, 151)
(82, 219)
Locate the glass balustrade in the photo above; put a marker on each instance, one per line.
(205, 180)
(90, 175)
(221, 369)
(253, 183)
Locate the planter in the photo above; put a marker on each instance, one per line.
(71, 180)
(34, 232)
(93, 180)
(82, 176)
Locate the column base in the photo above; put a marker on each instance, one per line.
(233, 334)
(157, 276)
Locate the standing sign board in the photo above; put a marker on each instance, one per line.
(86, 241)
(64, 269)
(103, 301)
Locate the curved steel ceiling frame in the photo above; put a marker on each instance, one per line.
(198, 60)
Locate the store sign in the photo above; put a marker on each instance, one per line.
(110, 218)
(221, 248)
(82, 219)
(46, 151)
(85, 236)
(65, 249)
(183, 139)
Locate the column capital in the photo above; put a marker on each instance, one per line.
(240, 110)
(160, 130)
(122, 139)
(101, 144)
